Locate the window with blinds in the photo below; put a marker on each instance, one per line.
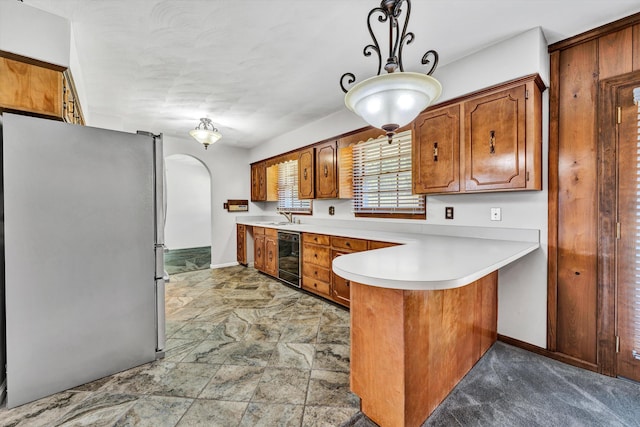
(288, 189)
(382, 177)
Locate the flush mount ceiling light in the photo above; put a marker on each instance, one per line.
(392, 100)
(205, 133)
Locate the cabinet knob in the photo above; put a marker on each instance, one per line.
(348, 244)
(348, 283)
(435, 151)
(492, 142)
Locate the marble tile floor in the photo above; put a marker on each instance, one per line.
(511, 387)
(242, 350)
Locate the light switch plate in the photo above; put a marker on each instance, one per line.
(496, 214)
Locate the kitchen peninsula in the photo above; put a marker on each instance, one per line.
(423, 312)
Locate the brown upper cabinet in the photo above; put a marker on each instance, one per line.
(38, 90)
(436, 151)
(487, 141)
(30, 89)
(495, 141)
(327, 170)
(306, 174)
(259, 182)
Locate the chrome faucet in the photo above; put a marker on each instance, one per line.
(288, 215)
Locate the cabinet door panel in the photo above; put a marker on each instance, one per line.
(326, 172)
(241, 242)
(495, 141)
(317, 239)
(340, 287)
(306, 174)
(30, 88)
(316, 272)
(436, 151)
(259, 253)
(348, 243)
(316, 286)
(318, 255)
(271, 256)
(259, 182)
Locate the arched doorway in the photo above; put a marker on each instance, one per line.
(188, 218)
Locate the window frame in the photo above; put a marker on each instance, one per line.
(404, 184)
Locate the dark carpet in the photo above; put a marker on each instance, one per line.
(513, 387)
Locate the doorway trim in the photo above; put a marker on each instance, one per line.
(607, 222)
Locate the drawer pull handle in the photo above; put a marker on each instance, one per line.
(348, 244)
(492, 142)
(305, 173)
(326, 171)
(348, 282)
(315, 255)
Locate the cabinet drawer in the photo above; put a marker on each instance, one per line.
(258, 230)
(318, 239)
(316, 286)
(273, 232)
(348, 243)
(374, 244)
(316, 272)
(318, 255)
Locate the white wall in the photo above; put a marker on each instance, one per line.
(34, 33)
(188, 190)
(522, 310)
(230, 179)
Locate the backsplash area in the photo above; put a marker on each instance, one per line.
(189, 259)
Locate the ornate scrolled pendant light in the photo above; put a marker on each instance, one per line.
(391, 101)
(205, 133)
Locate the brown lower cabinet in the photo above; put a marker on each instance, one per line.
(241, 243)
(258, 251)
(318, 252)
(316, 264)
(271, 251)
(265, 250)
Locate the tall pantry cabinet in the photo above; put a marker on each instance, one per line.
(582, 204)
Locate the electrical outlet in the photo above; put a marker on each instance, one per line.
(332, 210)
(448, 212)
(496, 214)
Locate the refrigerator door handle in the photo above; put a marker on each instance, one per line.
(160, 316)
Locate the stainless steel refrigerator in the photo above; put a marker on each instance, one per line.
(83, 253)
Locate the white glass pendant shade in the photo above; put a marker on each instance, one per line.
(205, 136)
(393, 100)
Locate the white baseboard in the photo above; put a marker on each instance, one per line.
(228, 264)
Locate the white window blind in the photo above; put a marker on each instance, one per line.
(288, 189)
(382, 177)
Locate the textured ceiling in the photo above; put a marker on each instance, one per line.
(259, 68)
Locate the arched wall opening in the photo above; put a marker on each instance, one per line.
(188, 216)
